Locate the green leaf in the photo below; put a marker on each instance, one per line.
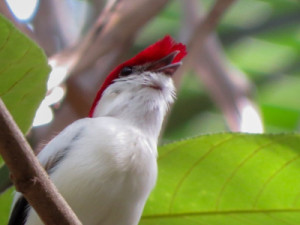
(5, 205)
(226, 179)
(23, 74)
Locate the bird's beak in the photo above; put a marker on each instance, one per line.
(165, 64)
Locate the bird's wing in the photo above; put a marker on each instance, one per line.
(53, 153)
(19, 212)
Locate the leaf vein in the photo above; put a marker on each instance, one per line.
(241, 164)
(214, 213)
(187, 173)
(256, 199)
(7, 39)
(17, 82)
(279, 219)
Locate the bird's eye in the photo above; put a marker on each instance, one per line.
(125, 71)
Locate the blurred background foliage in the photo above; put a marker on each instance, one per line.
(259, 37)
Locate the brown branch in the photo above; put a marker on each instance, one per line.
(228, 87)
(47, 27)
(225, 85)
(201, 32)
(210, 22)
(29, 177)
(119, 23)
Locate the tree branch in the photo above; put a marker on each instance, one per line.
(205, 27)
(228, 87)
(29, 177)
(201, 30)
(116, 25)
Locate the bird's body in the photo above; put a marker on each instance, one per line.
(105, 165)
(119, 176)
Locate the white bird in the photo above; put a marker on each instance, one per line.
(105, 165)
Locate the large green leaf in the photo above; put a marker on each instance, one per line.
(23, 74)
(230, 179)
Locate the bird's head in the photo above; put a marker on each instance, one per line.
(143, 83)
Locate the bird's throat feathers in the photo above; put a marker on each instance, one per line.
(141, 107)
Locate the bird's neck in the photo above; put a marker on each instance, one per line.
(145, 112)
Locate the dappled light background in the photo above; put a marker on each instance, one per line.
(245, 76)
(247, 80)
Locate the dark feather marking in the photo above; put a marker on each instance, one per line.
(19, 213)
(56, 159)
(76, 137)
(53, 161)
(98, 30)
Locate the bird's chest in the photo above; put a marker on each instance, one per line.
(131, 164)
(122, 180)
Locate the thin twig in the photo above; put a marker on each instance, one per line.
(29, 177)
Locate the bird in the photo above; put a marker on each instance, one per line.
(105, 165)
